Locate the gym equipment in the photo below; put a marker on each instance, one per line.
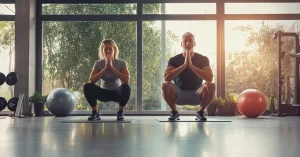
(99, 121)
(18, 111)
(251, 103)
(12, 104)
(283, 107)
(11, 78)
(2, 78)
(61, 102)
(3, 103)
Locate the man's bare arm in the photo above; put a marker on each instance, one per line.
(205, 73)
(171, 72)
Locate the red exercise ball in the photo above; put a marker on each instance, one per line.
(251, 103)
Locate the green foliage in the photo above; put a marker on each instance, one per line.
(228, 102)
(70, 50)
(151, 8)
(256, 67)
(227, 106)
(7, 33)
(219, 101)
(7, 46)
(69, 9)
(189, 107)
(231, 99)
(151, 104)
(38, 98)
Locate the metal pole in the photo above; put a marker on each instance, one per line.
(163, 55)
(280, 107)
(139, 59)
(297, 70)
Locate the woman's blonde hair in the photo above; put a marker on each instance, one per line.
(113, 43)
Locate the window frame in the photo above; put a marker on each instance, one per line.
(220, 17)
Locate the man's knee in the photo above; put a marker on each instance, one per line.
(211, 86)
(166, 86)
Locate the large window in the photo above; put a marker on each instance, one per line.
(88, 9)
(180, 8)
(149, 33)
(7, 55)
(251, 56)
(70, 50)
(7, 47)
(262, 8)
(7, 9)
(159, 44)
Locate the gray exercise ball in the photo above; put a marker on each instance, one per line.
(61, 102)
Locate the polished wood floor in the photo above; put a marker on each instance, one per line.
(146, 137)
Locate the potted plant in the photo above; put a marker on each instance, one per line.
(221, 108)
(213, 105)
(230, 104)
(38, 100)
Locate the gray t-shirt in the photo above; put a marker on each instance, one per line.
(109, 80)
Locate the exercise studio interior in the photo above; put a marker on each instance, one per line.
(150, 78)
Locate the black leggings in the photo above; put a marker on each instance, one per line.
(93, 93)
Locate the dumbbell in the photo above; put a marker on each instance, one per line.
(11, 104)
(3, 103)
(10, 79)
(2, 78)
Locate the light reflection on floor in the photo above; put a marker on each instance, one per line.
(47, 136)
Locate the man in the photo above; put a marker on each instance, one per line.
(188, 70)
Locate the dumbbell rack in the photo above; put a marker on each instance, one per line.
(18, 112)
(11, 79)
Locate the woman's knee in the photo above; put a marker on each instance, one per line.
(88, 87)
(125, 95)
(126, 88)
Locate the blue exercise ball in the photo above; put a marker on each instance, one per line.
(61, 102)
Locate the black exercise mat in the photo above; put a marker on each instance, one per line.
(99, 121)
(188, 119)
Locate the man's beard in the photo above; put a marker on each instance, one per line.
(188, 50)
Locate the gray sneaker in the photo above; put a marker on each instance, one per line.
(174, 115)
(200, 116)
(95, 115)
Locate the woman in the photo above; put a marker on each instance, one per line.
(111, 71)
